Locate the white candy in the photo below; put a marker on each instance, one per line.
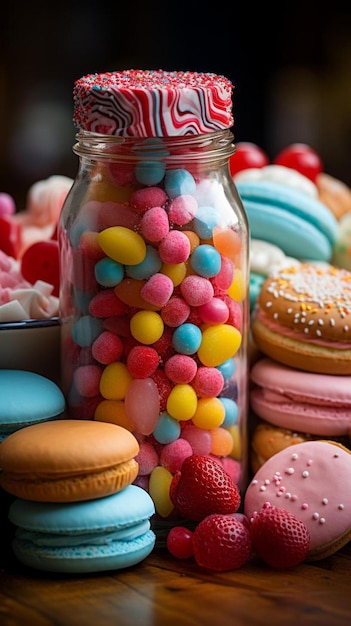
(265, 257)
(279, 174)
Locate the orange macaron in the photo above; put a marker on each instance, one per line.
(68, 461)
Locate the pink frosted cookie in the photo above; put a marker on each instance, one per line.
(318, 404)
(312, 480)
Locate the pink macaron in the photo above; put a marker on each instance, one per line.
(318, 404)
(312, 480)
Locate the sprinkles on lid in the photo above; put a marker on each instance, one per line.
(153, 103)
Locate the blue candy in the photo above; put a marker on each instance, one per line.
(150, 172)
(108, 272)
(206, 261)
(187, 338)
(179, 182)
(231, 412)
(205, 220)
(167, 429)
(149, 266)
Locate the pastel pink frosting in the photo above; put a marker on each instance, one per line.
(312, 480)
(317, 404)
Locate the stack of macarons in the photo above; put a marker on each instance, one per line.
(75, 508)
(292, 406)
(300, 383)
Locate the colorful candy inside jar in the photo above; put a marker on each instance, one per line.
(154, 272)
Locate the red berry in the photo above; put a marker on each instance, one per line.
(202, 487)
(278, 537)
(221, 543)
(180, 542)
(302, 158)
(247, 155)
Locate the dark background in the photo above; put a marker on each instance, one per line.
(291, 70)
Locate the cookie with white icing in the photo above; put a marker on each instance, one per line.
(312, 480)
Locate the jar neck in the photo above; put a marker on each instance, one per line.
(205, 148)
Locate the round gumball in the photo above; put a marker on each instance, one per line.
(247, 155)
(40, 261)
(302, 158)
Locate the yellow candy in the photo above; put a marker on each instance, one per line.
(113, 411)
(222, 442)
(175, 271)
(159, 485)
(146, 326)
(122, 244)
(182, 402)
(219, 343)
(210, 413)
(235, 434)
(237, 290)
(114, 381)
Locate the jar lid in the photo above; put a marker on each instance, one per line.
(152, 103)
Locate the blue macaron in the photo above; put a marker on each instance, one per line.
(102, 534)
(296, 222)
(27, 398)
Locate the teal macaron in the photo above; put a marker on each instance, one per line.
(102, 534)
(27, 398)
(293, 220)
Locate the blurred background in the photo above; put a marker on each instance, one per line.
(291, 71)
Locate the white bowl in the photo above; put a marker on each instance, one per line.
(32, 345)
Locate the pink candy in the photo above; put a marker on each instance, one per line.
(175, 312)
(7, 205)
(199, 438)
(208, 382)
(157, 290)
(173, 454)
(182, 209)
(180, 368)
(174, 248)
(107, 347)
(144, 199)
(106, 304)
(196, 290)
(154, 224)
(147, 458)
(215, 311)
(87, 380)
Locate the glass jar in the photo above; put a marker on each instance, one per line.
(154, 300)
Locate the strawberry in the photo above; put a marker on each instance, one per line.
(202, 487)
(221, 542)
(278, 537)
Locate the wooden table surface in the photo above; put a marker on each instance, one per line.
(165, 591)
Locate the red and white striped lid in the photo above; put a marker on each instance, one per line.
(153, 103)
